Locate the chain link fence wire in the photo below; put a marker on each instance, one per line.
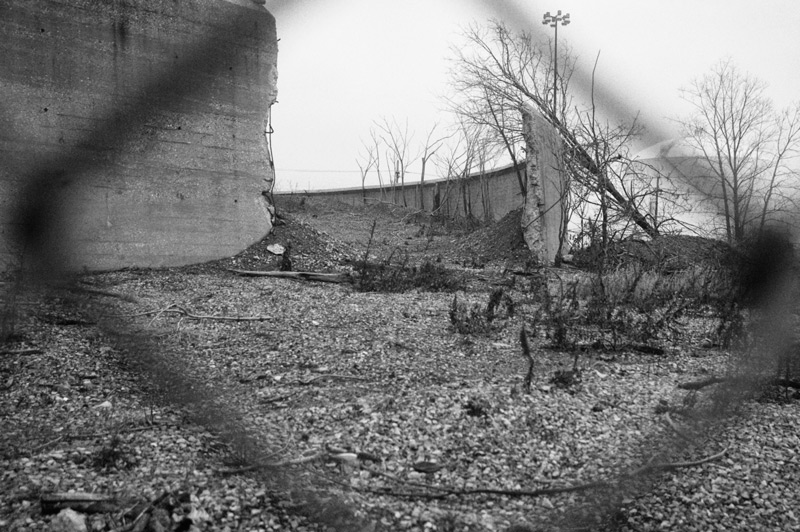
(40, 229)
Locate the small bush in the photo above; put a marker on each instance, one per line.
(386, 277)
(477, 319)
(477, 407)
(396, 275)
(633, 306)
(436, 278)
(499, 301)
(447, 225)
(558, 312)
(113, 454)
(567, 378)
(468, 319)
(646, 306)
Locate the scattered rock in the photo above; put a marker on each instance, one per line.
(276, 249)
(68, 520)
(427, 467)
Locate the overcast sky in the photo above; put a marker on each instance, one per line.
(343, 64)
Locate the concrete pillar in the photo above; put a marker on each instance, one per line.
(165, 113)
(542, 213)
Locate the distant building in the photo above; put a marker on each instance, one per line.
(686, 198)
(690, 195)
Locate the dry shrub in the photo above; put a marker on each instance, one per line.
(635, 305)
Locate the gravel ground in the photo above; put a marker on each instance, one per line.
(259, 404)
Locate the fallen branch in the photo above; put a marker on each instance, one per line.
(331, 453)
(177, 309)
(159, 313)
(277, 398)
(647, 468)
(677, 465)
(31, 351)
(411, 483)
(45, 445)
(526, 351)
(52, 503)
(361, 455)
(445, 489)
(312, 380)
(697, 385)
(299, 276)
(139, 522)
(647, 349)
(106, 293)
(271, 465)
(450, 492)
(677, 431)
(412, 214)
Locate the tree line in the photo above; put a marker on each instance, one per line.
(744, 148)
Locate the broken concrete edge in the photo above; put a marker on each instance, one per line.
(184, 183)
(542, 213)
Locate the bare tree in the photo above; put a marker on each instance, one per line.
(475, 149)
(429, 149)
(494, 74)
(375, 148)
(456, 161)
(449, 161)
(366, 160)
(503, 120)
(608, 147)
(485, 150)
(746, 146)
(397, 140)
(497, 73)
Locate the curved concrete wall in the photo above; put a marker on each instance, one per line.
(487, 196)
(180, 177)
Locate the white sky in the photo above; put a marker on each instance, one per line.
(343, 64)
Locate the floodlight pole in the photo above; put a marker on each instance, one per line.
(553, 21)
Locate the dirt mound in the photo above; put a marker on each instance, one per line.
(308, 250)
(498, 241)
(324, 237)
(667, 253)
(386, 209)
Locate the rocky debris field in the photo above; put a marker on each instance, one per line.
(198, 399)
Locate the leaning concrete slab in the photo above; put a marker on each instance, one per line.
(543, 213)
(178, 174)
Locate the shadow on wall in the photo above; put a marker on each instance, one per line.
(137, 127)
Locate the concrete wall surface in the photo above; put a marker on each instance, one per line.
(487, 196)
(149, 117)
(543, 214)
